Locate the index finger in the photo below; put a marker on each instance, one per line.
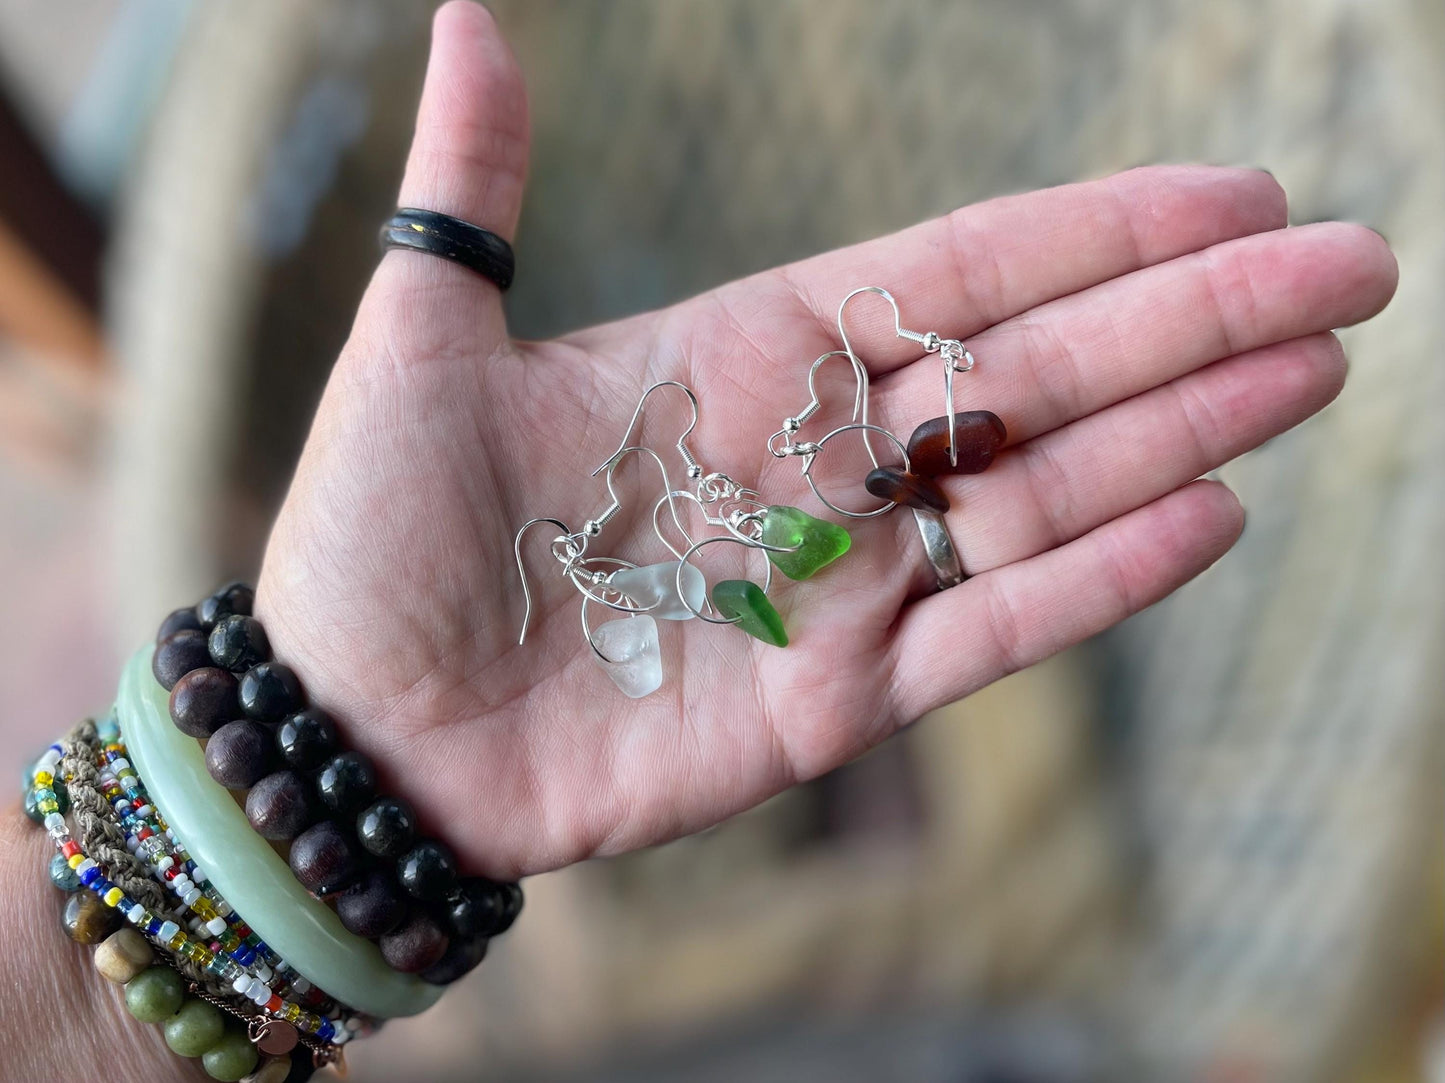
(978, 265)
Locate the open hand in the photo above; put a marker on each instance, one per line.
(1134, 333)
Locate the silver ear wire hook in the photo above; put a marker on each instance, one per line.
(956, 357)
(570, 548)
(791, 425)
(808, 450)
(594, 526)
(596, 586)
(567, 537)
(711, 486)
(694, 471)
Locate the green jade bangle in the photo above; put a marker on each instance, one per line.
(248, 873)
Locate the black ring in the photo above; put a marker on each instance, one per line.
(473, 247)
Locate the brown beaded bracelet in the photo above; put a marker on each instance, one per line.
(347, 841)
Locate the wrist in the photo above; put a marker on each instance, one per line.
(63, 1014)
(312, 777)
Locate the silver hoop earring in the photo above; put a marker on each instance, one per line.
(954, 443)
(741, 601)
(892, 485)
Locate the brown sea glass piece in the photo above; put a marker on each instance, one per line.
(891, 483)
(979, 433)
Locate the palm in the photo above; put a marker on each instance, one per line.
(1134, 333)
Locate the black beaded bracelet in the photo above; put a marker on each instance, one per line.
(347, 841)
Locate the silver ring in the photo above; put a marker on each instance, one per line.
(938, 547)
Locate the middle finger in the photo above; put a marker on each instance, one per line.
(1079, 354)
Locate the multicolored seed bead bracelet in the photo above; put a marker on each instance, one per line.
(195, 1026)
(347, 841)
(162, 928)
(148, 838)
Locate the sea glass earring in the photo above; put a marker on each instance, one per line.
(893, 485)
(741, 601)
(797, 543)
(627, 648)
(956, 443)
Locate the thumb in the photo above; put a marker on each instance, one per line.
(468, 155)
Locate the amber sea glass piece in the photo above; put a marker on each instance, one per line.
(745, 601)
(811, 543)
(891, 483)
(979, 434)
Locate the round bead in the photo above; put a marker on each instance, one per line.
(32, 801)
(477, 908)
(386, 827)
(178, 654)
(513, 899)
(418, 944)
(324, 858)
(62, 875)
(428, 871)
(462, 957)
(276, 1070)
(179, 620)
(232, 1058)
(373, 907)
(87, 920)
(281, 805)
(122, 956)
(239, 754)
(238, 642)
(270, 691)
(195, 1028)
(307, 739)
(238, 595)
(346, 782)
(233, 598)
(203, 701)
(154, 995)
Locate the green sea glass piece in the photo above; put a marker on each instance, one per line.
(818, 542)
(745, 600)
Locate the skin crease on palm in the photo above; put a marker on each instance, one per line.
(1133, 332)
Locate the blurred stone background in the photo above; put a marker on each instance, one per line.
(1205, 847)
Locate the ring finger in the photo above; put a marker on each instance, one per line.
(1059, 486)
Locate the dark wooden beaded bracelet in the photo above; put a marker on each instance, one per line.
(306, 739)
(386, 827)
(348, 842)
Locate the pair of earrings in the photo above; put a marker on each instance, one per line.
(796, 543)
(628, 649)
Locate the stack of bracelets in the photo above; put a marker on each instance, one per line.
(163, 854)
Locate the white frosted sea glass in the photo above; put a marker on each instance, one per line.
(654, 589)
(634, 660)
